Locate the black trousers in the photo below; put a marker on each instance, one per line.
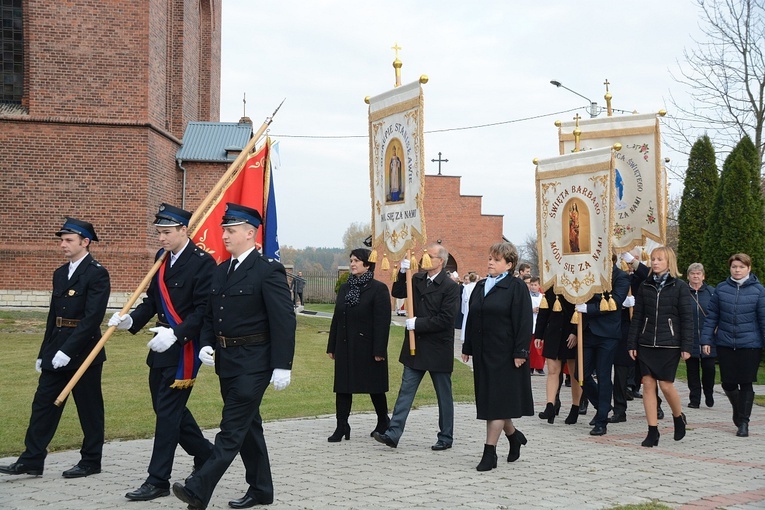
(701, 374)
(175, 425)
(46, 416)
(241, 432)
(599, 355)
(620, 389)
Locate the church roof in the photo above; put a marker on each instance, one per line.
(212, 141)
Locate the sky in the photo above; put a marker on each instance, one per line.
(487, 62)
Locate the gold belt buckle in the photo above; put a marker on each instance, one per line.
(222, 341)
(58, 322)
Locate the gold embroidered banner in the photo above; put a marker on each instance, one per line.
(640, 199)
(397, 170)
(574, 222)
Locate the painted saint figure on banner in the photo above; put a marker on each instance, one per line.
(395, 180)
(576, 228)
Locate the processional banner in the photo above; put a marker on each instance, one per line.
(397, 170)
(640, 184)
(574, 222)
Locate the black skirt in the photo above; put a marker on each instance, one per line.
(557, 348)
(658, 362)
(738, 366)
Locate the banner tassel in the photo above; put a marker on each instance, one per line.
(394, 273)
(603, 303)
(556, 306)
(625, 267)
(373, 256)
(544, 305)
(644, 256)
(575, 318)
(426, 262)
(611, 304)
(413, 265)
(385, 262)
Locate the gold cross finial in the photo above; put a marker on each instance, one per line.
(606, 83)
(576, 118)
(396, 48)
(244, 104)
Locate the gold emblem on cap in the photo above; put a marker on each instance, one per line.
(71, 292)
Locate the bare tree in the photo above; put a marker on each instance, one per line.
(527, 252)
(673, 232)
(724, 77)
(355, 235)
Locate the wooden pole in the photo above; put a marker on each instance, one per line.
(409, 302)
(194, 224)
(580, 348)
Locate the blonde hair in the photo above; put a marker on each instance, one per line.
(669, 254)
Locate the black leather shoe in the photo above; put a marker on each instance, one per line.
(592, 421)
(147, 492)
(628, 395)
(598, 430)
(17, 468)
(440, 445)
(248, 501)
(617, 418)
(80, 471)
(693, 405)
(660, 413)
(384, 439)
(187, 497)
(636, 393)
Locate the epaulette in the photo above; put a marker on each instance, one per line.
(95, 263)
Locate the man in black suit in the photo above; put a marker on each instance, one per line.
(80, 293)
(602, 332)
(178, 296)
(436, 300)
(248, 333)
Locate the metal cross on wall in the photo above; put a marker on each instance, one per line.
(439, 160)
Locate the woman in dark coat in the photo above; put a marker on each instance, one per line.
(358, 342)
(700, 367)
(735, 324)
(661, 332)
(497, 337)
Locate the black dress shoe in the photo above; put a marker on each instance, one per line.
(592, 421)
(147, 492)
(660, 413)
(583, 405)
(709, 401)
(249, 501)
(617, 418)
(693, 405)
(440, 445)
(80, 471)
(637, 394)
(628, 395)
(598, 430)
(187, 497)
(17, 468)
(384, 439)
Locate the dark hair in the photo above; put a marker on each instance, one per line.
(740, 257)
(363, 255)
(526, 278)
(534, 279)
(523, 266)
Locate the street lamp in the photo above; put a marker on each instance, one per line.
(594, 110)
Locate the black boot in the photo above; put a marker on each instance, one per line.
(343, 429)
(549, 413)
(652, 439)
(733, 398)
(382, 425)
(680, 423)
(573, 415)
(557, 404)
(517, 439)
(746, 400)
(489, 459)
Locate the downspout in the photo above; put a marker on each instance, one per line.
(183, 185)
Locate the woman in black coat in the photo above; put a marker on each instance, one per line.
(358, 343)
(497, 337)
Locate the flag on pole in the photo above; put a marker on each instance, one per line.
(270, 237)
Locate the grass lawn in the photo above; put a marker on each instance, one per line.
(126, 393)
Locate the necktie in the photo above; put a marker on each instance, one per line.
(231, 268)
(429, 282)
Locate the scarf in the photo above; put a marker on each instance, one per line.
(354, 287)
(491, 281)
(660, 279)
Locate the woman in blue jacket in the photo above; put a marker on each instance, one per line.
(701, 367)
(735, 324)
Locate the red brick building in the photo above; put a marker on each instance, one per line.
(96, 98)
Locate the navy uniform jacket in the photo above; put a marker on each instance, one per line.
(188, 283)
(608, 324)
(255, 299)
(83, 297)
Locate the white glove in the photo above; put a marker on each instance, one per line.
(405, 264)
(581, 308)
(163, 340)
(410, 323)
(121, 321)
(60, 360)
(207, 355)
(281, 378)
(627, 257)
(38, 365)
(629, 301)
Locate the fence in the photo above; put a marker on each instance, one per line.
(319, 286)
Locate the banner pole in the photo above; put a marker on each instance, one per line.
(580, 348)
(409, 301)
(194, 224)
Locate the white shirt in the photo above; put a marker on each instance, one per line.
(174, 256)
(73, 266)
(241, 258)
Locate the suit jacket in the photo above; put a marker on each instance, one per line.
(435, 307)
(83, 297)
(188, 283)
(608, 324)
(254, 299)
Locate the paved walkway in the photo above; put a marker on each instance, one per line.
(562, 466)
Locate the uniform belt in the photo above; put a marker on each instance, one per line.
(161, 324)
(61, 322)
(257, 338)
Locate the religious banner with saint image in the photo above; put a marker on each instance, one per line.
(397, 169)
(574, 222)
(640, 199)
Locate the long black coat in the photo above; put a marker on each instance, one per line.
(435, 307)
(358, 334)
(498, 331)
(188, 283)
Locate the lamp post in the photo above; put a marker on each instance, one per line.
(594, 110)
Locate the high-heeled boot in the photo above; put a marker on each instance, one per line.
(343, 429)
(517, 439)
(733, 398)
(382, 425)
(573, 415)
(489, 459)
(549, 413)
(557, 404)
(746, 400)
(652, 439)
(680, 423)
